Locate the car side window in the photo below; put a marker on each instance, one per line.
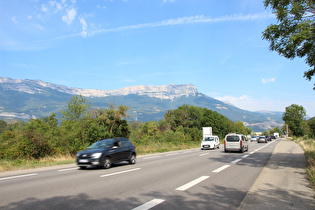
(117, 144)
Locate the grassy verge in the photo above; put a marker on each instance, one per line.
(308, 145)
(10, 165)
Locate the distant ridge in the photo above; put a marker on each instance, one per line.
(26, 99)
(170, 91)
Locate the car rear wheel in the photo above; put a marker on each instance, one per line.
(132, 159)
(82, 167)
(107, 163)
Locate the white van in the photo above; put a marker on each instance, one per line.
(210, 142)
(235, 142)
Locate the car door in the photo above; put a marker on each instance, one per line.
(126, 149)
(116, 152)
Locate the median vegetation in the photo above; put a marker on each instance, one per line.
(47, 141)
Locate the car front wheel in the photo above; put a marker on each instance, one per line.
(107, 163)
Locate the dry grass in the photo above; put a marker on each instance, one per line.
(157, 147)
(308, 146)
(20, 164)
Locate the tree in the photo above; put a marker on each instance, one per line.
(77, 108)
(311, 124)
(294, 36)
(294, 117)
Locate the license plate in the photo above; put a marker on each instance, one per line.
(83, 161)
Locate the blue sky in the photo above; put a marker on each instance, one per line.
(111, 44)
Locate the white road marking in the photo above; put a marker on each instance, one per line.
(245, 156)
(172, 154)
(20, 176)
(235, 161)
(149, 205)
(68, 169)
(203, 154)
(151, 157)
(120, 172)
(220, 169)
(192, 183)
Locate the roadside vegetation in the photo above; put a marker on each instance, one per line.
(308, 145)
(48, 141)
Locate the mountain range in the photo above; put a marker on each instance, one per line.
(26, 99)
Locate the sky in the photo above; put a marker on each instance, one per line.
(215, 45)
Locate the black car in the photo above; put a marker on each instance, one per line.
(105, 152)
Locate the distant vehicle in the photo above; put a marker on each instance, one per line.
(273, 137)
(210, 142)
(105, 152)
(268, 138)
(262, 139)
(276, 135)
(235, 142)
(253, 138)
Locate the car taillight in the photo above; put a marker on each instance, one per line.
(224, 143)
(241, 143)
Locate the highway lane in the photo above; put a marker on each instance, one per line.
(190, 179)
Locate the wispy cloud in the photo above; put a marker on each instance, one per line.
(251, 104)
(264, 81)
(13, 19)
(84, 27)
(198, 19)
(70, 16)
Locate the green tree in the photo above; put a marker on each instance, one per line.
(294, 35)
(294, 117)
(77, 108)
(3, 126)
(311, 124)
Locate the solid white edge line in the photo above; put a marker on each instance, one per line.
(245, 156)
(149, 205)
(20, 176)
(192, 183)
(68, 169)
(220, 169)
(120, 172)
(146, 158)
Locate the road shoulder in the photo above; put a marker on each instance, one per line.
(283, 182)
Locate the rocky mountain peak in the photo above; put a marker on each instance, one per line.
(170, 91)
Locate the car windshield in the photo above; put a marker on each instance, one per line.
(103, 144)
(233, 138)
(209, 139)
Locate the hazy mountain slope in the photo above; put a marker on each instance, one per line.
(33, 98)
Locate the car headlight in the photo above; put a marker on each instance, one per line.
(96, 155)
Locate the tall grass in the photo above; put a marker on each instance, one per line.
(19, 164)
(308, 145)
(155, 147)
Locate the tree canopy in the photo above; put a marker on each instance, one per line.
(294, 35)
(294, 117)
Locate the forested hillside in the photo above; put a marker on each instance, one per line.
(81, 125)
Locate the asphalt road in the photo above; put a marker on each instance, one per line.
(190, 179)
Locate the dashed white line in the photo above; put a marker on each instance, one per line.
(245, 156)
(192, 183)
(203, 154)
(149, 205)
(20, 176)
(220, 169)
(120, 172)
(235, 161)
